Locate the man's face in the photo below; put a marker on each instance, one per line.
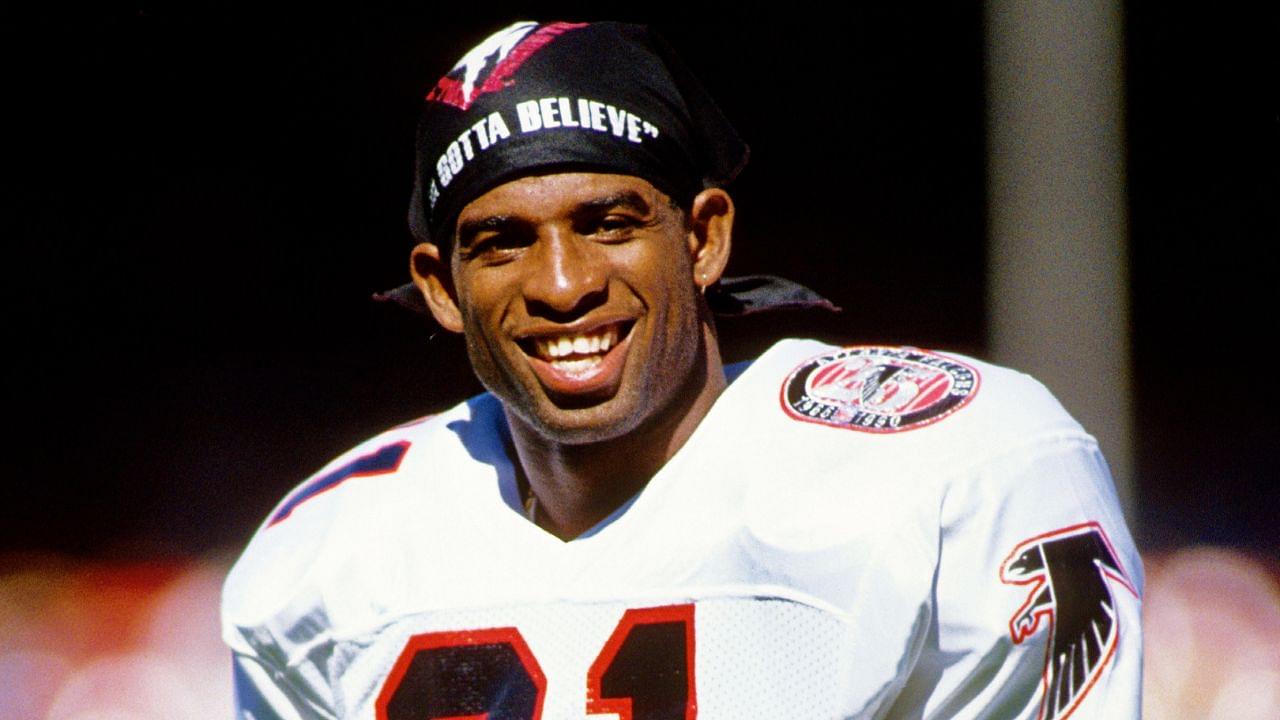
(578, 301)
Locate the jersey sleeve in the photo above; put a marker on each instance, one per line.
(271, 615)
(278, 597)
(1037, 592)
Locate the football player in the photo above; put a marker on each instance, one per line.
(624, 527)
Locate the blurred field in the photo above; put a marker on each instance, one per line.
(139, 641)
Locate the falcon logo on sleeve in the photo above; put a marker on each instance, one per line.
(1070, 572)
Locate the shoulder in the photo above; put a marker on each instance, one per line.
(343, 509)
(909, 430)
(932, 397)
(870, 440)
(971, 439)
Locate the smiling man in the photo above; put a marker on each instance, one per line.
(578, 296)
(622, 527)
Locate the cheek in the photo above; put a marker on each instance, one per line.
(662, 270)
(481, 330)
(482, 303)
(677, 329)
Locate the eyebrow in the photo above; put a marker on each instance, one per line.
(627, 198)
(468, 229)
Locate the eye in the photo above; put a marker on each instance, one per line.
(497, 247)
(616, 222)
(611, 227)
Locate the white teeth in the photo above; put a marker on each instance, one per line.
(566, 345)
(578, 366)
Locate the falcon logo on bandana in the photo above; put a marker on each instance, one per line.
(1070, 572)
(878, 389)
(489, 66)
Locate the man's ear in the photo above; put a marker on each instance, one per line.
(432, 277)
(710, 235)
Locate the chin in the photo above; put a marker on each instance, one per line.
(583, 424)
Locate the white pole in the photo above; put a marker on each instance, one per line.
(1058, 303)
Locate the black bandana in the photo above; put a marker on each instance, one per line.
(602, 97)
(564, 97)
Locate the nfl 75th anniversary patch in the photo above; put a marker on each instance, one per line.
(878, 389)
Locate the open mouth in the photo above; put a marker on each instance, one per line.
(578, 362)
(577, 351)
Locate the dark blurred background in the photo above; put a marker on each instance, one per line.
(204, 196)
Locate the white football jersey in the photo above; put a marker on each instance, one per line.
(865, 532)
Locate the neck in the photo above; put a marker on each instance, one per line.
(576, 486)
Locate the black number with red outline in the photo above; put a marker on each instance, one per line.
(469, 674)
(644, 672)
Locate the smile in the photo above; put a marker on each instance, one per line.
(572, 363)
(572, 348)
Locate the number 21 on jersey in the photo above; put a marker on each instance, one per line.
(644, 672)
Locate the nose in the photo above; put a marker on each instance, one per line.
(567, 277)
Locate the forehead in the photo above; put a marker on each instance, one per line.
(541, 198)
